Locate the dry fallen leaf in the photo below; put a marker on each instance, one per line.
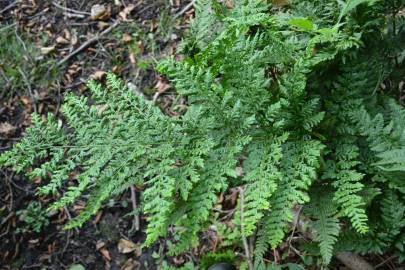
(101, 108)
(73, 70)
(220, 198)
(141, 47)
(125, 13)
(178, 260)
(105, 253)
(99, 74)
(98, 217)
(117, 69)
(132, 58)
(162, 86)
(61, 40)
(232, 197)
(25, 100)
(102, 25)
(100, 244)
(47, 50)
(74, 39)
(131, 264)
(7, 129)
(98, 11)
(33, 241)
(229, 4)
(126, 246)
(126, 38)
(67, 34)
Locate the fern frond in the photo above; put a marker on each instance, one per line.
(326, 226)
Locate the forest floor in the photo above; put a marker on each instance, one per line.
(52, 47)
(48, 48)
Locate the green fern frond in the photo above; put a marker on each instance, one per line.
(326, 226)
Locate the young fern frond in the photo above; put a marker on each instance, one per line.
(326, 226)
(348, 185)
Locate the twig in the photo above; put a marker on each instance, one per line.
(70, 10)
(184, 10)
(242, 228)
(4, 220)
(8, 180)
(70, 217)
(135, 207)
(76, 84)
(385, 261)
(74, 15)
(9, 6)
(295, 223)
(88, 43)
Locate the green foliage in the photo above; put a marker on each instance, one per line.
(34, 218)
(326, 221)
(77, 267)
(212, 258)
(293, 98)
(186, 266)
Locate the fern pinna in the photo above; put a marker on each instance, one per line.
(288, 94)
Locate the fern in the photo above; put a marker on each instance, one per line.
(289, 94)
(326, 224)
(348, 186)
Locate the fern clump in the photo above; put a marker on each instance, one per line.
(287, 94)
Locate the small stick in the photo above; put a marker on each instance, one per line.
(9, 6)
(295, 223)
(4, 221)
(70, 10)
(70, 217)
(135, 207)
(87, 43)
(184, 10)
(385, 261)
(74, 15)
(245, 242)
